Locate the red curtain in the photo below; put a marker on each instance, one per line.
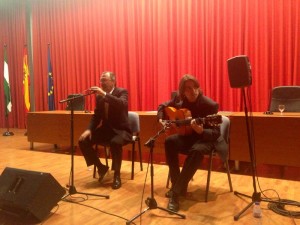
(13, 36)
(150, 44)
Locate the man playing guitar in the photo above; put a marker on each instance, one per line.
(190, 100)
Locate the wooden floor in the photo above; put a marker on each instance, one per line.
(129, 200)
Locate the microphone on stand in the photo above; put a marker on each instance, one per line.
(87, 92)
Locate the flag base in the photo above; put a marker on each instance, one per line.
(8, 133)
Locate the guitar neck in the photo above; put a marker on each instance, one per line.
(212, 120)
(186, 122)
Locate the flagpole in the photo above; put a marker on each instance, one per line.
(51, 105)
(7, 96)
(26, 85)
(7, 132)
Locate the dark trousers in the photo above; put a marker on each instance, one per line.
(103, 136)
(191, 146)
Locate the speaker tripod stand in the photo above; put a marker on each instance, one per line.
(72, 189)
(150, 201)
(256, 196)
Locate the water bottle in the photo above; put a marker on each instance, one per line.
(257, 210)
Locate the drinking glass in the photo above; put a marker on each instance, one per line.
(281, 108)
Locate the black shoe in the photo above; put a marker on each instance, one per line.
(102, 173)
(116, 182)
(173, 204)
(169, 193)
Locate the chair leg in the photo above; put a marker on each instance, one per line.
(168, 180)
(237, 165)
(228, 176)
(208, 175)
(106, 152)
(140, 152)
(132, 160)
(94, 173)
(95, 168)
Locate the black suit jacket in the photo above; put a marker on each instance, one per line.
(117, 113)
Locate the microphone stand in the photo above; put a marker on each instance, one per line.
(72, 188)
(150, 201)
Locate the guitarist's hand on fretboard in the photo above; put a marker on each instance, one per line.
(181, 121)
(197, 127)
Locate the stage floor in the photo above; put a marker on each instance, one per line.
(129, 200)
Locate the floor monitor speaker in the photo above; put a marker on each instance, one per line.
(25, 193)
(239, 71)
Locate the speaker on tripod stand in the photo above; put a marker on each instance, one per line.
(239, 71)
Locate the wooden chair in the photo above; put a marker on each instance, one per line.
(134, 123)
(225, 133)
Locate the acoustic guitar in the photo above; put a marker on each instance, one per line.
(179, 121)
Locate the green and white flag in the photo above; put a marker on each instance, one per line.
(7, 96)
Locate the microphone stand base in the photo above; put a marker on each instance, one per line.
(152, 204)
(256, 197)
(73, 191)
(8, 133)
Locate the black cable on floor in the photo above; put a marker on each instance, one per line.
(279, 208)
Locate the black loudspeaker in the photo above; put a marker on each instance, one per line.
(239, 70)
(78, 103)
(26, 193)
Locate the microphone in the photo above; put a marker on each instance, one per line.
(81, 95)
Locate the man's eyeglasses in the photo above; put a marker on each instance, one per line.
(103, 80)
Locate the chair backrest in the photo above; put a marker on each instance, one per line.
(174, 94)
(134, 122)
(285, 95)
(225, 125)
(78, 103)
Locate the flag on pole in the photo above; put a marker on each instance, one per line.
(7, 96)
(26, 81)
(50, 83)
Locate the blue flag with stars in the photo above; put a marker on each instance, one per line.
(50, 83)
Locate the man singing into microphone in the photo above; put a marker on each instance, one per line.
(108, 125)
